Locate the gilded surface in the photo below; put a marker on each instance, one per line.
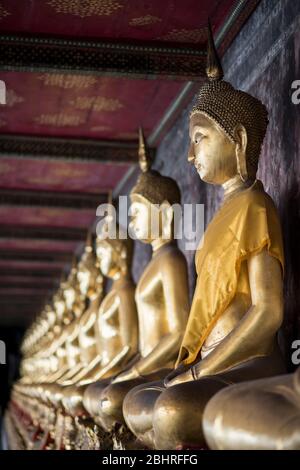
(144, 20)
(59, 120)
(96, 103)
(67, 82)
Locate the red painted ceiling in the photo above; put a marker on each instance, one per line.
(51, 175)
(171, 21)
(83, 106)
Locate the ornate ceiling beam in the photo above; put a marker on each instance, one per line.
(24, 280)
(37, 299)
(64, 200)
(49, 54)
(33, 285)
(14, 291)
(51, 273)
(18, 255)
(43, 233)
(68, 149)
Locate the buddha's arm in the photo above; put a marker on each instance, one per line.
(255, 332)
(128, 322)
(174, 280)
(128, 332)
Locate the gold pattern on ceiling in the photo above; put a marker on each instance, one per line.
(144, 20)
(12, 98)
(66, 171)
(100, 128)
(185, 35)
(59, 120)
(85, 8)
(3, 12)
(50, 180)
(42, 215)
(67, 81)
(58, 173)
(96, 103)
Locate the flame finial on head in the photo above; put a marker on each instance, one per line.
(144, 156)
(214, 69)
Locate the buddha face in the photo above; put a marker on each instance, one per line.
(108, 258)
(148, 222)
(140, 218)
(211, 151)
(84, 277)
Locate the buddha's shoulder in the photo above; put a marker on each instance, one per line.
(170, 253)
(128, 286)
(256, 197)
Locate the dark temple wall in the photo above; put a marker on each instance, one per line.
(264, 59)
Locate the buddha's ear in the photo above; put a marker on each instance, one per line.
(191, 153)
(167, 214)
(241, 139)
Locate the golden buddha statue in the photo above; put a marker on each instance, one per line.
(83, 286)
(83, 289)
(258, 415)
(67, 310)
(161, 294)
(34, 343)
(91, 283)
(116, 329)
(90, 294)
(237, 307)
(39, 351)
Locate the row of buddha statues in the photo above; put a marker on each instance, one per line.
(139, 367)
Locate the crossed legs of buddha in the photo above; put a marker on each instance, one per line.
(262, 414)
(171, 418)
(105, 402)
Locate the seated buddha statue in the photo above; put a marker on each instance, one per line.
(76, 297)
(85, 289)
(55, 353)
(161, 294)
(90, 294)
(64, 304)
(257, 415)
(115, 322)
(40, 359)
(35, 342)
(237, 308)
(91, 283)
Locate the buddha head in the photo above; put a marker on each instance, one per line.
(227, 127)
(152, 198)
(89, 277)
(114, 255)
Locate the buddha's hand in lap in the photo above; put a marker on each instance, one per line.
(179, 375)
(127, 375)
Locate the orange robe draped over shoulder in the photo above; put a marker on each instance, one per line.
(243, 226)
